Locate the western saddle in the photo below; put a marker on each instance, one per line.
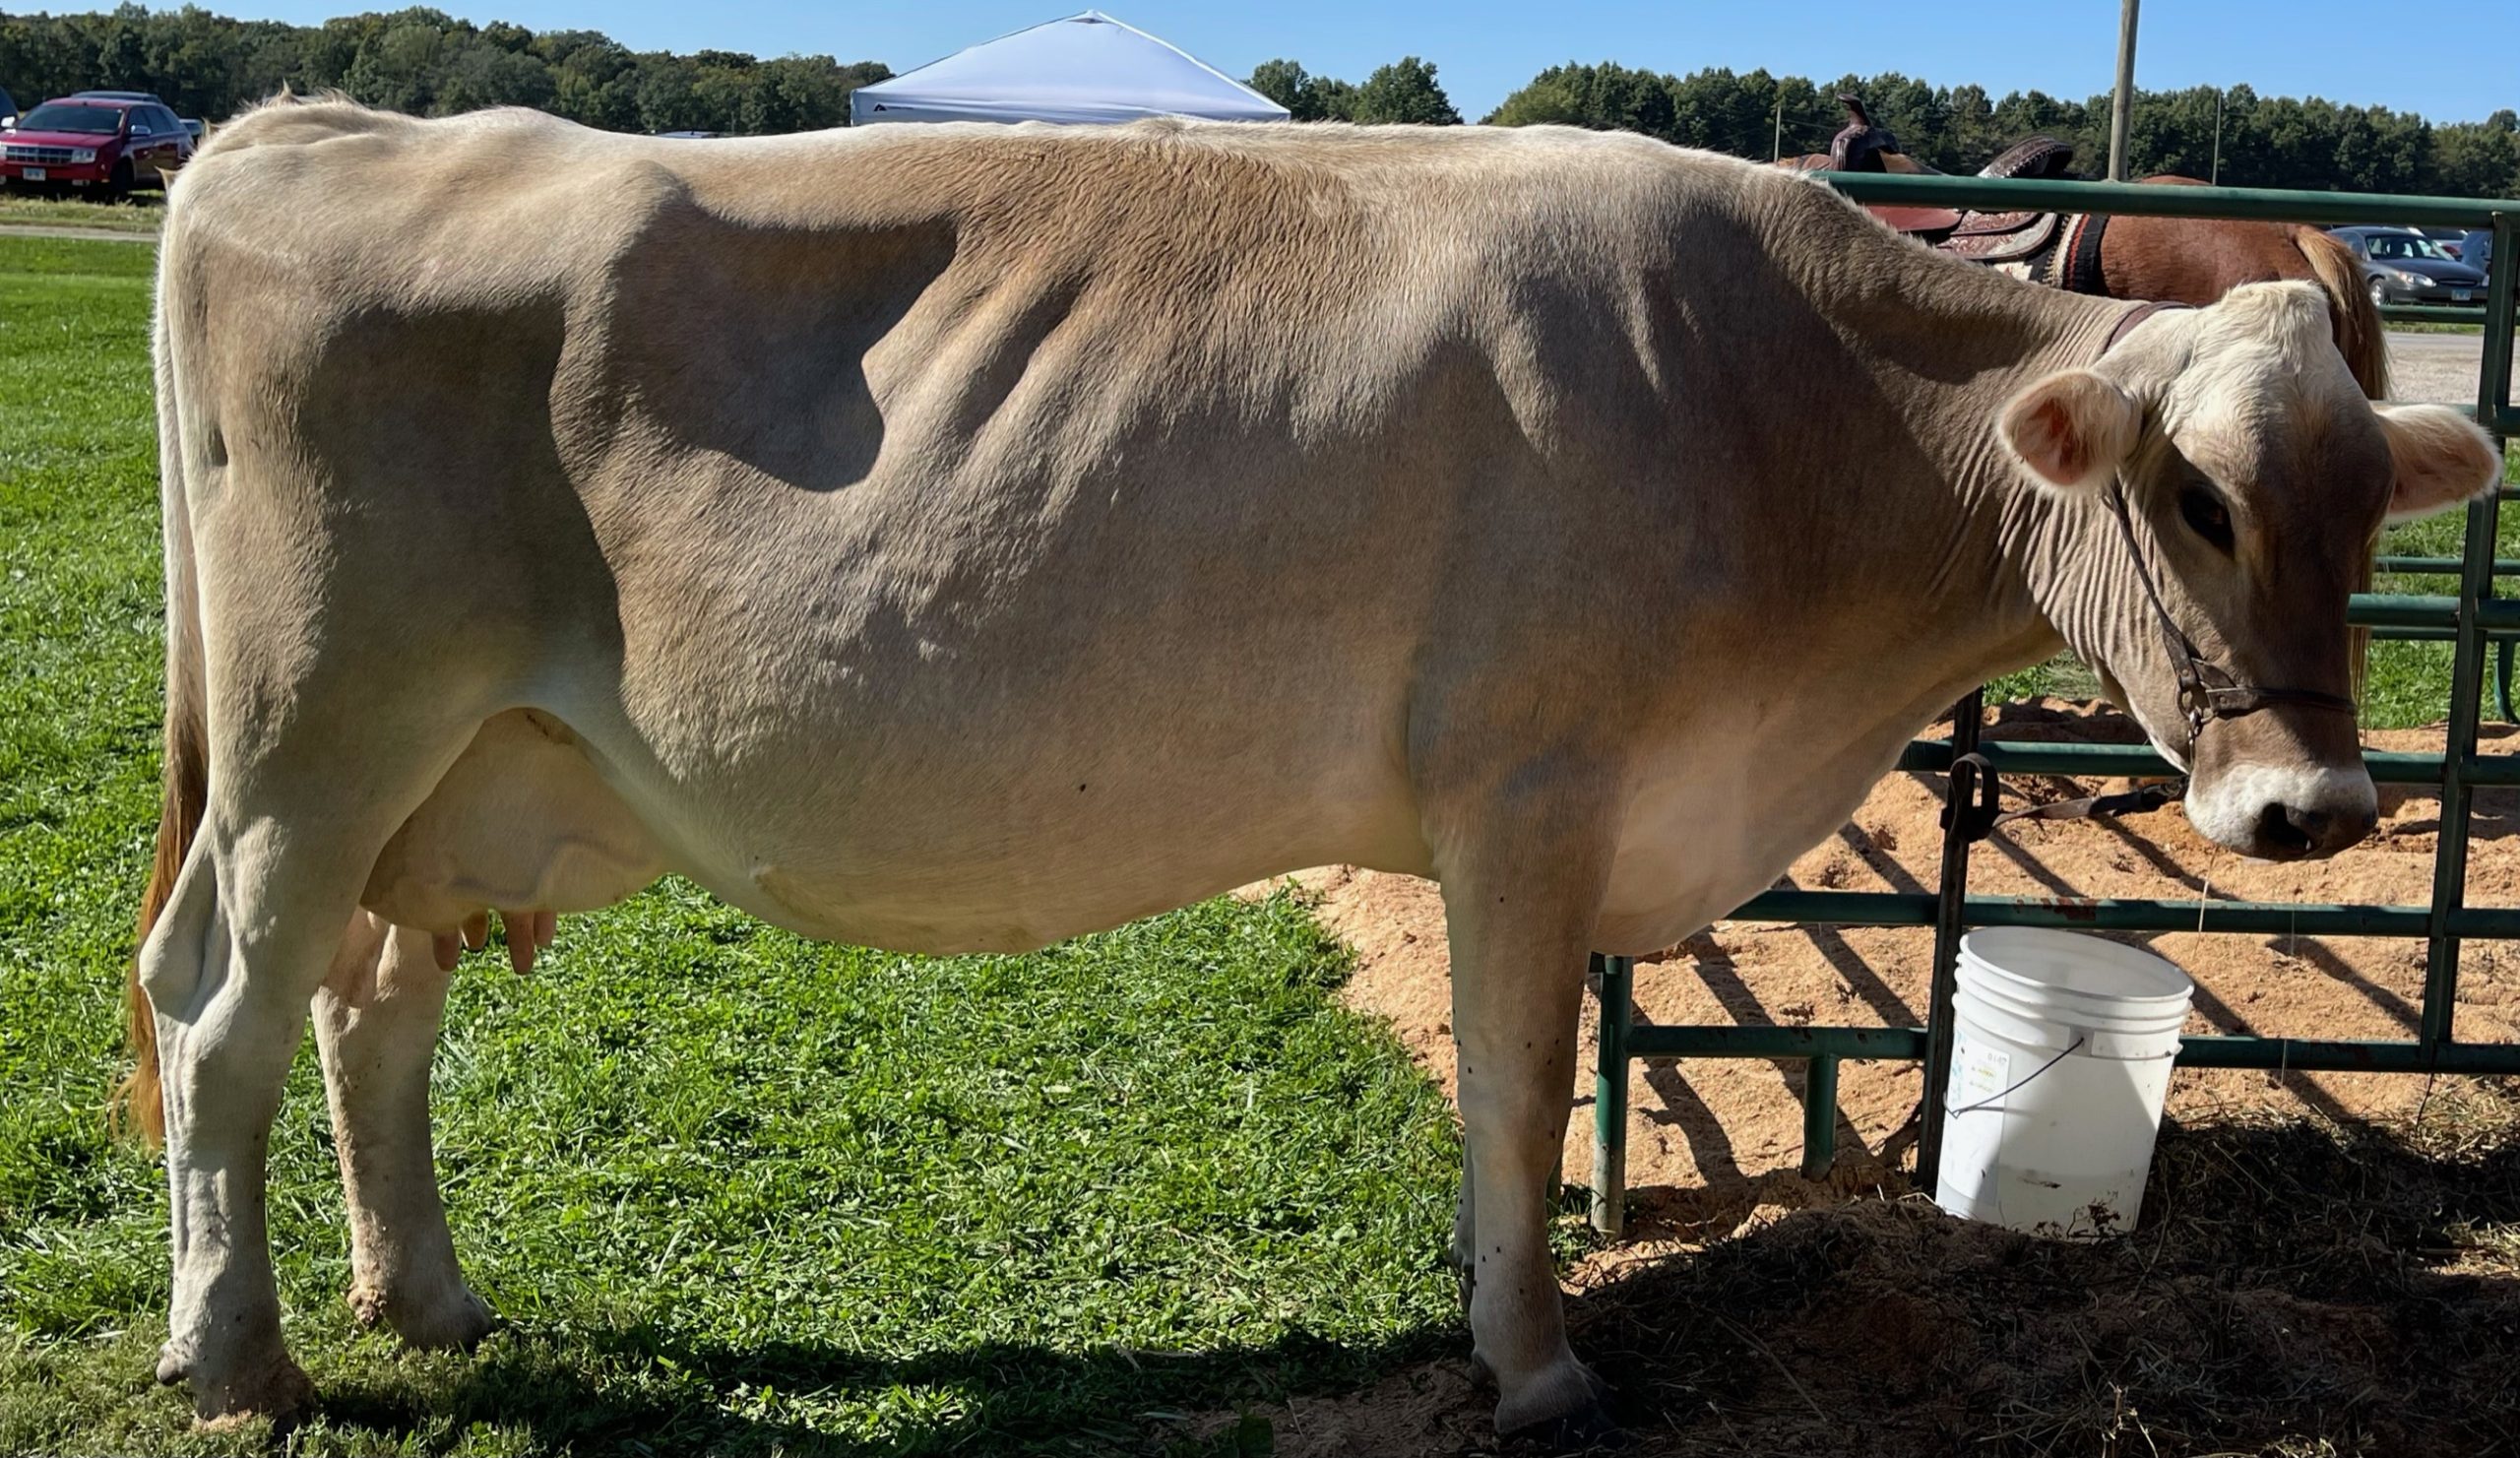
(2039, 247)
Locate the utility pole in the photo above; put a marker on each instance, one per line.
(1776, 148)
(2121, 111)
(2217, 178)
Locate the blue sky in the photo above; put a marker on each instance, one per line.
(2449, 62)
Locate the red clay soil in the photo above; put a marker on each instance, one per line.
(1713, 1147)
(1706, 1135)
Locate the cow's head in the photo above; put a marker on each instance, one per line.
(2256, 479)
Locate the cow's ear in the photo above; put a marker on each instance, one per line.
(2072, 429)
(2438, 458)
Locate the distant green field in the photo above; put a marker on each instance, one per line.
(732, 1192)
(140, 214)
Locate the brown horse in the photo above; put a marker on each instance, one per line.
(2181, 260)
(2194, 260)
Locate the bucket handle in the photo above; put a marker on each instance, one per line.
(1993, 1099)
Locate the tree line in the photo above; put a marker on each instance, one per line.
(427, 62)
(2235, 135)
(424, 62)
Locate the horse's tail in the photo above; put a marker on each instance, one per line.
(2359, 336)
(138, 1102)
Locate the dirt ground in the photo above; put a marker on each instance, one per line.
(2440, 368)
(2326, 1264)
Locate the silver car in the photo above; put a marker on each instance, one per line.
(2401, 266)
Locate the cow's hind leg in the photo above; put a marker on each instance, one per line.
(225, 1039)
(376, 1025)
(252, 928)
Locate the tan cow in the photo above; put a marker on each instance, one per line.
(954, 538)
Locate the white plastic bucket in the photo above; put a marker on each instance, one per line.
(2062, 1056)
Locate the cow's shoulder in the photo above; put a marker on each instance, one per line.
(324, 209)
(291, 120)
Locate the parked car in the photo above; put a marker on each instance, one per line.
(2401, 266)
(8, 111)
(2475, 250)
(149, 97)
(2450, 239)
(94, 143)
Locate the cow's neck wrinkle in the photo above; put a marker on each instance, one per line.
(2010, 570)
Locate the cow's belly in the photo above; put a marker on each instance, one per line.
(924, 857)
(873, 821)
(524, 820)
(1038, 889)
(1715, 820)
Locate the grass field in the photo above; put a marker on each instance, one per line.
(141, 212)
(729, 1191)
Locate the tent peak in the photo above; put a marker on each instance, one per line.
(1086, 67)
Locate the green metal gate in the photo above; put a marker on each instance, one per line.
(2470, 621)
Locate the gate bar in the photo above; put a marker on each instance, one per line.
(2196, 1050)
(1972, 781)
(2119, 913)
(1610, 1091)
(2038, 757)
(2257, 204)
(2467, 670)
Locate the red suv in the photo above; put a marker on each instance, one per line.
(94, 144)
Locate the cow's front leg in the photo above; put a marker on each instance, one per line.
(376, 1025)
(1519, 930)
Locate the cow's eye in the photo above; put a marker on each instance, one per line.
(2207, 517)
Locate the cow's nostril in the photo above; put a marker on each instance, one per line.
(2285, 832)
(2331, 831)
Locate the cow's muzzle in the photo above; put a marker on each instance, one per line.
(2284, 813)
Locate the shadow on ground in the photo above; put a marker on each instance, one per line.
(635, 1391)
(2295, 1289)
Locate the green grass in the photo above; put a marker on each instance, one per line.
(732, 1192)
(139, 214)
(2410, 683)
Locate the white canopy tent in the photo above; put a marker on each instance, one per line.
(1085, 68)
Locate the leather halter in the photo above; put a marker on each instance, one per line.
(2207, 691)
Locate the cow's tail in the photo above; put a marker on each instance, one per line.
(138, 1103)
(2359, 336)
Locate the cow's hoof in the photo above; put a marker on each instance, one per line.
(272, 1387)
(450, 1318)
(1566, 1409)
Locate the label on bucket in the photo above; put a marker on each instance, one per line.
(1980, 1075)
